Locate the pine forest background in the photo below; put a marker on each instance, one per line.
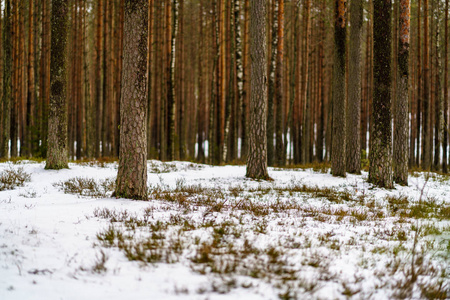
(199, 74)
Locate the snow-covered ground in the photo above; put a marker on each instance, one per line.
(209, 233)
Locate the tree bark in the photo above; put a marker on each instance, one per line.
(57, 155)
(279, 95)
(338, 166)
(132, 173)
(427, 154)
(257, 155)
(7, 83)
(380, 152)
(354, 97)
(446, 127)
(401, 122)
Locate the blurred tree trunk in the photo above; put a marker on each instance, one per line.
(338, 166)
(353, 152)
(279, 95)
(446, 118)
(7, 77)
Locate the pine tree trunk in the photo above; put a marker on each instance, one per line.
(304, 100)
(437, 96)
(97, 112)
(279, 95)
(57, 155)
(132, 173)
(338, 166)
(245, 84)
(273, 21)
(380, 152)
(401, 122)
(446, 127)
(427, 154)
(257, 155)
(321, 103)
(7, 76)
(201, 114)
(354, 97)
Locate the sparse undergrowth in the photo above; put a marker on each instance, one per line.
(299, 238)
(242, 234)
(87, 186)
(13, 177)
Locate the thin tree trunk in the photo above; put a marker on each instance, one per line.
(338, 166)
(427, 154)
(446, 117)
(279, 95)
(304, 100)
(7, 76)
(245, 83)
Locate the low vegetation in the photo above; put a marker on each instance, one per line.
(278, 234)
(13, 177)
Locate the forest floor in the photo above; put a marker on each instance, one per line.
(209, 233)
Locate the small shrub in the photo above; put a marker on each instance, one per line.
(12, 178)
(87, 187)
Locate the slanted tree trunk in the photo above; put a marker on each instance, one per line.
(7, 83)
(380, 152)
(338, 166)
(353, 150)
(257, 154)
(57, 156)
(132, 173)
(401, 121)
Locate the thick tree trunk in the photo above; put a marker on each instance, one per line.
(401, 122)
(132, 173)
(380, 152)
(257, 155)
(354, 97)
(338, 166)
(57, 155)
